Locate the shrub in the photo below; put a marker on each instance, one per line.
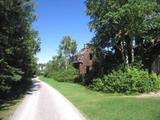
(98, 84)
(127, 80)
(155, 81)
(9, 75)
(64, 75)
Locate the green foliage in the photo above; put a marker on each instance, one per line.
(18, 41)
(67, 47)
(131, 17)
(63, 75)
(8, 75)
(40, 69)
(128, 80)
(124, 27)
(60, 68)
(100, 106)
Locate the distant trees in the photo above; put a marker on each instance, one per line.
(67, 47)
(41, 67)
(18, 41)
(60, 67)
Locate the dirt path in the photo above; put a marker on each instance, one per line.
(151, 94)
(45, 103)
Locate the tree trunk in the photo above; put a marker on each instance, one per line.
(124, 52)
(132, 54)
(126, 57)
(132, 49)
(66, 63)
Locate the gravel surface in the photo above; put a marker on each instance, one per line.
(45, 103)
(151, 94)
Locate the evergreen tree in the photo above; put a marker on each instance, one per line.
(18, 41)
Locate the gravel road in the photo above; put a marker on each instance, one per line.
(45, 103)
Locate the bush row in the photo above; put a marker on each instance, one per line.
(127, 80)
(63, 75)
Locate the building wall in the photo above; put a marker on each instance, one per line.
(85, 59)
(82, 69)
(156, 65)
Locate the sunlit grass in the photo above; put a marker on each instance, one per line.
(8, 108)
(10, 101)
(100, 106)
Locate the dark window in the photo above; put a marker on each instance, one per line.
(90, 56)
(87, 69)
(158, 65)
(75, 58)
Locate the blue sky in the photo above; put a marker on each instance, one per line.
(57, 18)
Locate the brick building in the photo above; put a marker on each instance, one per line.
(155, 56)
(156, 65)
(152, 56)
(83, 60)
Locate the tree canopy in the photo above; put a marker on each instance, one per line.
(18, 41)
(67, 47)
(124, 26)
(60, 67)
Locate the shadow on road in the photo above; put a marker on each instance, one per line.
(35, 86)
(17, 92)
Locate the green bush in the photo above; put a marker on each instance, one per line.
(64, 75)
(127, 80)
(9, 75)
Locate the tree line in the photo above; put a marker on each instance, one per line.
(18, 42)
(127, 29)
(60, 67)
(125, 44)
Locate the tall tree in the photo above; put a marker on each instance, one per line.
(67, 49)
(123, 25)
(18, 41)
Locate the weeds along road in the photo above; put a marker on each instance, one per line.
(43, 102)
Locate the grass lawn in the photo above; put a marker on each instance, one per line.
(100, 106)
(8, 108)
(9, 102)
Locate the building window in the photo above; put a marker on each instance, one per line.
(75, 58)
(90, 56)
(158, 65)
(87, 69)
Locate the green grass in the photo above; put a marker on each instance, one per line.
(10, 101)
(100, 106)
(7, 109)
